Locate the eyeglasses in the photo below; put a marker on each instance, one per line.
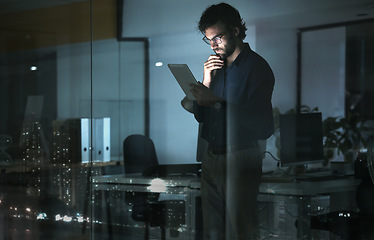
(216, 40)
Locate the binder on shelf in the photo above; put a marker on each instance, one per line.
(85, 139)
(79, 144)
(101, 140)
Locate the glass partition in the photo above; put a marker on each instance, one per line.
(70, 94)
(45, 61)
(79, 77)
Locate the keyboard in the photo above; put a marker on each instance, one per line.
(164, 170)
(314, 177)
(277, 179)
(320, 178)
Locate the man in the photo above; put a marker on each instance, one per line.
(233, 104)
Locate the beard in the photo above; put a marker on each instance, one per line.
(227, 49)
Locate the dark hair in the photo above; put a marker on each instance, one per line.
(225, 14)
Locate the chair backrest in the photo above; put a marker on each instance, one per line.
(139, 153)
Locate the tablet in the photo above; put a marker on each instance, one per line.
(184, 77)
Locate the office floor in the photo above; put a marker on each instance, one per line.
(277, 220)
(25, 230)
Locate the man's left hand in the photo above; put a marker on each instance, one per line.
(204, 96)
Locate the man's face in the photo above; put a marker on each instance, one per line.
(222, 41)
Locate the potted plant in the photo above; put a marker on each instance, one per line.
(345, 134)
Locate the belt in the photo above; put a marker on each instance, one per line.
(232, 148)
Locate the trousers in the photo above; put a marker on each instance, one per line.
(229, 188)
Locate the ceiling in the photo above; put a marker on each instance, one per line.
(9, 6)
(170, 17)
(287, 13)
(319, 12)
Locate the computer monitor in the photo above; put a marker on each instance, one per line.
(301, 139)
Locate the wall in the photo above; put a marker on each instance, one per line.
(323, 69)
(173, 129)
(173, 38)
(117, 86)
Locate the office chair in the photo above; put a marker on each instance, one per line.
(139, 155)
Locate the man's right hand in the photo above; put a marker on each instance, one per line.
(214, 62)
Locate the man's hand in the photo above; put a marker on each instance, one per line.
(214, 62)
(204, 96)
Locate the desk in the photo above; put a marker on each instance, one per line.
(308, 198)
(169, 188)
(300, 193)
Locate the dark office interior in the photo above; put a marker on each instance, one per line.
(95, 144)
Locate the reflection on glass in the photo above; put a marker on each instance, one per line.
(5, 142)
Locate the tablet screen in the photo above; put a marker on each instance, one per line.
(184, 76)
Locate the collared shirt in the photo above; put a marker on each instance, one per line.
(246, 115)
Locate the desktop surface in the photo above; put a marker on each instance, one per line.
(163, 170)
(273, 184)
(315, 176)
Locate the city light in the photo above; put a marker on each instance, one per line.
(41, 216)
(58, 217)
(67, 218)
